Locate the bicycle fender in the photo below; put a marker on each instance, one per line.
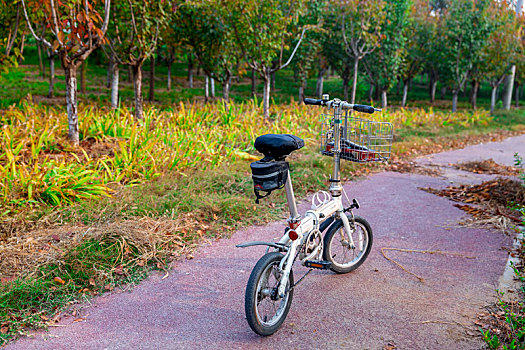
(254, 243)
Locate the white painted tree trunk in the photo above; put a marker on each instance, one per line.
(206, 88)
(320, 83)
(266, 96)
(493, 98)
(354, 83)
(114, 85)
(454, 100)
(226, 89)
(507, 91)
(384, 101)
(71, 103)
(51, 90)
(433, 91)
(405, 94)
(212, 83)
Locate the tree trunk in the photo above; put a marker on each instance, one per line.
(354, 83)
(22, 43)
(151, 95)
(114, 85)
(517, 95)
(377, 96)
(137, 85)
(371, 93)
(493, 98)
(454, 100)
(109, 76)
(190, 72)
(398, 87)
(384, 102)
(346, 81)
(474, 94)
(301, 91)
(51, 90)
(83, 84)
(405, 93)
(509, 85)
(254, 83)
(266, 95)
(40, 62)
(170, 62)
(273, 80)
(71, 103)
(443, 92)
(320, 83)
(206, 88)
(433, 91)
(226, 88)
(212, 92)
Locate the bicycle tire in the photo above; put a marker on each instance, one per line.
(362, 237)
(257, 287)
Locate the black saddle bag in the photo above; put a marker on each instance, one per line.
(268, 176)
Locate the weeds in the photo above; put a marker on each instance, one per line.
(510, 331)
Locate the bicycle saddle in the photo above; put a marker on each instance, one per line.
(277, 146)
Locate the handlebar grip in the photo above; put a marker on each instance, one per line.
(364, 109)
(313, 101)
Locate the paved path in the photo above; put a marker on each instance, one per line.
(201, 304)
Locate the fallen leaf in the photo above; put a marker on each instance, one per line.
(59, 280)
(45, 318)
(79, 319)
(4, 330)
(92, 281)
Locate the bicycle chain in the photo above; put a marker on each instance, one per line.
(306, 274)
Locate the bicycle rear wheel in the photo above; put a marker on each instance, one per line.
(265, 311)
(338, 249)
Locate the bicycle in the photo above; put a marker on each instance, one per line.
(347, 239)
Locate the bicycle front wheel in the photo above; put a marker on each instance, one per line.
(265, 311)
(339, 250)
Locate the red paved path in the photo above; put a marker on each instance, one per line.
(200, 305)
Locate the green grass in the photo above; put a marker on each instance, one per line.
(92, 267)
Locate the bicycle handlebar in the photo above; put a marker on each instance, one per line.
(345, 105)
(313, 101)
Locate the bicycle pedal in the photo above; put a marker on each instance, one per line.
(318, 264)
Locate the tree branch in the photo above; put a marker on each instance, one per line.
(41, 39)
(293, 53)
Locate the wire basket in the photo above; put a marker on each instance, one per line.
(361, 140)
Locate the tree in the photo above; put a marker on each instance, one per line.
(10, 20)
(461, 37)
(415, 48)
(500, 50)
(387, 59)
(133, 38)
(309, 50)
(333, 48)
(202, 27)
(262, 31)
(77, 30)
(509, 81)
(361, 23)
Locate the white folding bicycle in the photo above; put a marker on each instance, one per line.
(348, 238)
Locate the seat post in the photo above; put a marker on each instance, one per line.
(292, 205)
